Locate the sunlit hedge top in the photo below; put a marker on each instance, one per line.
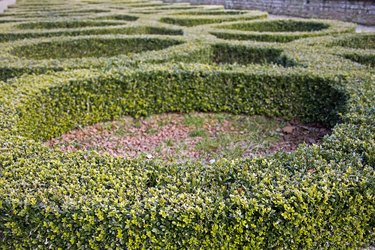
(318, 197)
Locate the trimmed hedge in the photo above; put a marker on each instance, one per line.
(281, 30)
(237, 54)
(362, 58)
(359, 41)
(141, 93)
(190, 21)
(318, 197)
(66, 24)
(73, 200)
(126, 30)
(358, 48)
(288, 25)
(92, 47)
(119, 17)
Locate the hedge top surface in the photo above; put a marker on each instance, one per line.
(318, 197)
(280, 30)
(288, 25)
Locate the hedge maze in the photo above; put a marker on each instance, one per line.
(66, 64)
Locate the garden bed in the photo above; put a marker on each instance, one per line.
(116, 86)
(195, 137)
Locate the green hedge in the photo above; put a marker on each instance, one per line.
(190, 21)
(92, 47)
(358, 41)
(282, 31)
(366, 59)
(358, 47)
(288, 25)
(119, 17)
(60, 109)
(67, 24)
(318, 197)
(237, 54)
(134, 30)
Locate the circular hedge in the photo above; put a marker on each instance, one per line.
(318, 197)
(280, 30)
(66, 24)
(91, 47)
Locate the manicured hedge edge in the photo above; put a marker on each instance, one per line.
(227, 32)
(318, 197)
(122, 30)
(358, 48)
(57, 110)
(190, 21)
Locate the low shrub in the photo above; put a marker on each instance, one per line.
(235, 54)
(119, 17)
(133, 30)
(358, 41)
(318, 197)
(66, 24)
(190, 21)
(92, 47)
(365, 59)
(309, 198)
(282, 31)
(288, 25)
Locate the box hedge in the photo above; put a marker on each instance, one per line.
(280, 30)
(318, 197)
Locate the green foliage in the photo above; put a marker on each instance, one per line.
(66, 25)
(282, 31)
(190, 21)
(119, 17)
(359, 41)
(279, 26)
(140, 93)
(5, 37)
(226, 53)
(318, 197)
(92, 47)
(362, 58)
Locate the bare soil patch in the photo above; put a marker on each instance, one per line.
(203, 137)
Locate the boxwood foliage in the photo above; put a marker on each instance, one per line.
(318, 197)
(190, 21)
(66, 24)
(358, 48)
(242, 54)
(280, 30)
(59, 109)
(91, 47)
(122, 30)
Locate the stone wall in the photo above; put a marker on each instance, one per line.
(359, 11)
(5, 3)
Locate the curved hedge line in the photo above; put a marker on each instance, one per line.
(318, 197)
(280, 30)
(308, 198)
(91, 47)
(122, 30)
(190, 21)
(59, 109)
(66, 24)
